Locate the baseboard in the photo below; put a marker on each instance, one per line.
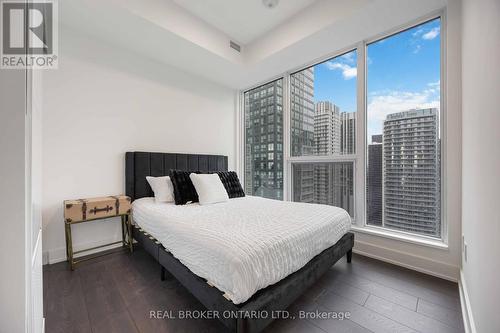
(424, 265)
(469, 325)
(54, 256)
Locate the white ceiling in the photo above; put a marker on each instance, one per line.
(165, 32)
(243, 20)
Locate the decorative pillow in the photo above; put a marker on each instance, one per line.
(209, 188)
(162, 188)
(184, 191)
(231, 184)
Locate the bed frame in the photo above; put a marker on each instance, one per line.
(276, 297)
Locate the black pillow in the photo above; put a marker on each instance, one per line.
(231, 183)
(184, 191)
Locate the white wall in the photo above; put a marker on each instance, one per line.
(481, 160)
(13, 247)
(104, 101)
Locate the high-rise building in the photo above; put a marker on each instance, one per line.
(302, 131)
(374, 181)
(264, 140)
(412, 172)
(302, 112)
(327, 142)
(348, 133)
(377, 138)
(344, 179)
(327, 128)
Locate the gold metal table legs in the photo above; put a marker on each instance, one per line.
(126, 226)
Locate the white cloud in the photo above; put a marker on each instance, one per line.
(434, 84)
(434, 87)
(387, 102)
(348, 72)
(431, 34)
(349, 57)
(418, 32)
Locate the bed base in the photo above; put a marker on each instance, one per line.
(277, 297)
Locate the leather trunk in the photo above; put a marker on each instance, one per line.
(96, 208)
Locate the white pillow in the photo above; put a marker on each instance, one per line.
(209, 188)
(162, 187)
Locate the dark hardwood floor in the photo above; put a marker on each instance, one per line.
(116, 293)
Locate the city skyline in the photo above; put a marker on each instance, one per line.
(403, 73)
(403, 173)
(397, 159)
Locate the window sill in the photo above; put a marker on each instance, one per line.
(403, 237)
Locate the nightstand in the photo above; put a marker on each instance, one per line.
(96, 209)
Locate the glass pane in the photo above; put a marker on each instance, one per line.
(322, 106)
(403, 131)
(264, 140)
(328, 183)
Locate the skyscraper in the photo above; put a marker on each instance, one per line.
(327, 128)
(412, 172)
(264, 140)
(347, 133)
(344, 183)
(374, 181)
(302, 131)
(302, 112)
(327, 142)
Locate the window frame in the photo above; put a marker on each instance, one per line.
(359, 159)
(435, 241)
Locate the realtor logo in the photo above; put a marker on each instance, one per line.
(29, 34)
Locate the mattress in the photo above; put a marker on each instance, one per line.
(245, 244)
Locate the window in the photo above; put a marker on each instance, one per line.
(263, 131)
(403, 175)
(394, 175)
(323, 123)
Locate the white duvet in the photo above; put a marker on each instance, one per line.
(245, 244)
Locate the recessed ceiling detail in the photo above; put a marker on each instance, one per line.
(244, 20)
(172, 33)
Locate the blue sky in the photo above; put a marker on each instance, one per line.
(403, 73)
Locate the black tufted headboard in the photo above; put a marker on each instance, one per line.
(138, 165)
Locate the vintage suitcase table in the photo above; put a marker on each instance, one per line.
(92, 209)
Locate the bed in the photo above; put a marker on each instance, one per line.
(248, 254)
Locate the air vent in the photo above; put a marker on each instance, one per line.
(235, 46)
